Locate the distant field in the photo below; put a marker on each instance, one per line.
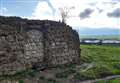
(100, 36)
(105, 60)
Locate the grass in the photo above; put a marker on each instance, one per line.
(117, 80)
(21, 81)
(65, 73)
(20, 75)
(105, 60)
(102, 56)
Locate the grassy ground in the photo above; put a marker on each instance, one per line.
(117, 80)
(105, 60)
(102, 56)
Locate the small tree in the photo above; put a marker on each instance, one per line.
(64, 13)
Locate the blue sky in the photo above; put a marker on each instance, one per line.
(85, 13)
(23, 8)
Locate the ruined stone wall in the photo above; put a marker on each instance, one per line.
(61, 46)
(11, 50)
(34, 43)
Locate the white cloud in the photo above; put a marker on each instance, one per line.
(42, 11)
(3, 10)
(97, 19)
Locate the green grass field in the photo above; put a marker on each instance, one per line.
(105, 60)
(106, 56)
(117, 80)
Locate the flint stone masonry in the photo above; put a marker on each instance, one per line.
(34, 43)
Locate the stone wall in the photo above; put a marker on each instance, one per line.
(34, 43)
(11, 50)
(61, 46)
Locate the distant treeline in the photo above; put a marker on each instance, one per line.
(100, 41)
(101, 37)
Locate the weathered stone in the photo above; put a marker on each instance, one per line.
(33, 43)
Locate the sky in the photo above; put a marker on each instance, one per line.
(82, 13)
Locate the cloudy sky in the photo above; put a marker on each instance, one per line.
(84, 13)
